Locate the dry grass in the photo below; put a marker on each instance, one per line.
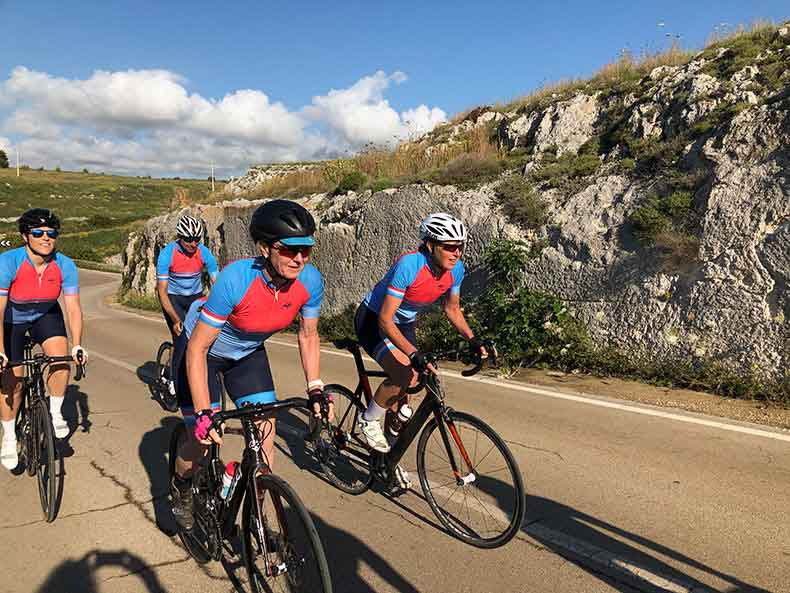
(293, 185)
(759, 26)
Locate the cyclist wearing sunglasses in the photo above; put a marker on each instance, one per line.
(384, 322)
(31, 280)
(224, 334)
(179, 272)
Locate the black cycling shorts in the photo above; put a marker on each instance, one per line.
(181, 304)
(50, 324)
(372, 339)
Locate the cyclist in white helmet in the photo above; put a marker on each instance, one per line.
(384, 322)
(179, 272)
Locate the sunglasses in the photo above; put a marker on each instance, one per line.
(291, 251)
(38, 233)
(452, 247)
(191, 239)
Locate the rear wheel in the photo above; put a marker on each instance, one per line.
(164, 377)
(188, 538)
(339, 446)
(49, 474)
(484, 504)
(282, 550)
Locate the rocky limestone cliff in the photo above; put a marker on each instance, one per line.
(717, 120)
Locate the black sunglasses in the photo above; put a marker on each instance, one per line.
(290, 251)
(452, 247)
(191, 239)
(51, 233)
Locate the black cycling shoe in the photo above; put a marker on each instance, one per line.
(181, 500)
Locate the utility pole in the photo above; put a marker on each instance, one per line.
(212, 176)
(17, 162)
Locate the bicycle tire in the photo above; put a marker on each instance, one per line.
(283, 513)
(164, 357)
(502, 506)
(47, 474)
(193, 548)
(24, 437)
(340, 449)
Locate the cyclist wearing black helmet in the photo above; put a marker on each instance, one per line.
(224, 334)
(31, 280)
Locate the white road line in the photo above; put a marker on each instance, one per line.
(776, 434)
(115, 361)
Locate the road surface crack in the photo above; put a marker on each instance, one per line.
(146, 568)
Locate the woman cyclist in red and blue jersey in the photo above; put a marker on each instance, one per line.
(179, 272)
(385, 320)
(32, 278)
(224, 334)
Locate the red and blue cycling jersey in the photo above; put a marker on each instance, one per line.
(248, 308)
(410, 278)
(184, 271)
(29, 293)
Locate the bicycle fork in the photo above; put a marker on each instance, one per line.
(445, 423)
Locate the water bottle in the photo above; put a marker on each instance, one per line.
(399, 420)
(228, 480)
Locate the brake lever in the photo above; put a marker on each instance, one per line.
(80, 374)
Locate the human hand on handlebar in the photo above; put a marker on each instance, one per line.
(3, 360)
(321, 402)
(79, 354)
(423, 361)
(205, 433)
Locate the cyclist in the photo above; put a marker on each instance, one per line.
(31, 280)
(179, 272)
(224, 334)
(384, 321)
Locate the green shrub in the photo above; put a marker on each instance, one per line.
(137, 300)
(649, 221)
(467, 171)
(520, 203)
(567, 167)
(3, 160)
(626, 166)
(335, 327)
(381, 184)
(353, 181)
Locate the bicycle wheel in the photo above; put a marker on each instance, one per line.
(48, 475)
(282, 550)
(25, 440)
(340, 448)
(484, 506)
(163, 377)
(193, 547)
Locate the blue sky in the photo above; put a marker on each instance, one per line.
(383, 60)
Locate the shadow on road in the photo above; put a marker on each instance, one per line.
(153, 455)
(74, 576)
(147, 374)
(76, 410)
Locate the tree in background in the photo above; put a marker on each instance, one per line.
(3, 160)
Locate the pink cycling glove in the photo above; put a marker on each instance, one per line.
(203, 424)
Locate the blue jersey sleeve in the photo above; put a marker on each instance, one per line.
(8, 268)
(311, 278)
(226, 293)
(404, 271)
(68, 269)
(458, 277)
(209, 262)
(163, 262)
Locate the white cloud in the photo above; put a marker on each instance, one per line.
(147, 121)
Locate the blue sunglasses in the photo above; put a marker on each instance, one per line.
(38, 233)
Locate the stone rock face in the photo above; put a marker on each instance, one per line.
(262, 173)
(729, 302)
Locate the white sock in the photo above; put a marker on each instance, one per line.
(374, 412)
(9, 432)
(55, 404)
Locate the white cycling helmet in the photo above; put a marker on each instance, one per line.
(441, 226)
(189, 226)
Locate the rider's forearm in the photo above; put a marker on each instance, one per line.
(456, 317)
(395, 336)
(161, 290)
(197, 374)
(310, 353)
(74, 315)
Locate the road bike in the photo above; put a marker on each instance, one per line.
(164, 386)
(280, 544)
(35, 434)
(468, 475)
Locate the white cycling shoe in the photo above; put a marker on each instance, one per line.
(402, 477)
(60, 425)
(8, 454)
(374, 435)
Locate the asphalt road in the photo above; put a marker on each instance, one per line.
(620, 497)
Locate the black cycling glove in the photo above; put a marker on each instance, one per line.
(419, 361)
(476, 345)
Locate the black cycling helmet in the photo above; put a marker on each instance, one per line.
(37, 217)
(282, 220)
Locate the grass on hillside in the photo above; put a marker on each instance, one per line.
(97, 212)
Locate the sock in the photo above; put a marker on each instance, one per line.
(374, 412)
(55, 404)
(9, 432)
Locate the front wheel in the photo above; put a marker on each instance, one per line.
(484, 502)
(339, 447)
(282, 550)
(48, 464)
(164, 378)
